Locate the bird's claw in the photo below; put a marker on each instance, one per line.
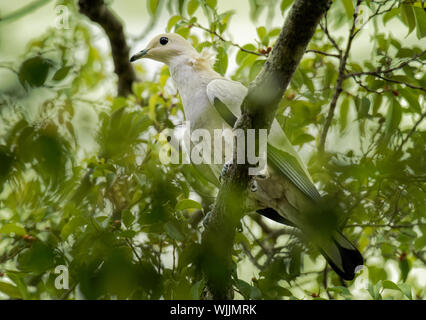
(253, 185)
(224, 171)
(206, 218)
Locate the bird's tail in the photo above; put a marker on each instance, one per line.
(342, 255)
(339, 252)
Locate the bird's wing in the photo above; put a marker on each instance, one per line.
(226, 96)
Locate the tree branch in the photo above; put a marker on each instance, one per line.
(379, 71)
(340, 79)
(29, 8)
(412, 131)
(221, 38)
(97, 11)
(258, 112)
(323, 53)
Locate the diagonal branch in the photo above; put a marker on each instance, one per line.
(412, 131)
(379, 71)
(21, 12)
(340, 79)
(221, 38)
(97, 11)
(258, 111)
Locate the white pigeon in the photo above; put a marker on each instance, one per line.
(287, 195)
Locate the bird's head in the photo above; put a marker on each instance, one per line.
(164, 47)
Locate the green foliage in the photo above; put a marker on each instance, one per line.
(81, 183)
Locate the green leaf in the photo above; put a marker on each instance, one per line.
(406, 289)
(412, 100)
(343, 114)
(34, 71)
(420, 243)
(18, 278)
(407, 16)
(374, 290)
(377, 103)
(38, 258)
(61, 73)
(255, 69)
(127, 217)
(241, 55)
(221, 64)
(153, 6)
(285, 4)
(244, 288)
(172, 22)
(196, 289)
(241, 238)
(390, 15)
(420, 16)
(308, 82)
(72, 226)
(13, 228)
(387, 284)
(261, 32)
(283, 292)
(364, 107)
(302, 139)
(340, 290)
(404, 266)
(183, 31)
(9, 289)
(393, 118)
(211, 3)
(173, 231)
(6, 163)
(192, 7)
(256, 294)
(187, 204)
(349, 8)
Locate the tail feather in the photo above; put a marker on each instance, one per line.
(342, 256)
(339, 252)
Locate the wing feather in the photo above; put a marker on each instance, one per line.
(226, 96)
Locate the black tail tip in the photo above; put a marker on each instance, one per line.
(352, 262)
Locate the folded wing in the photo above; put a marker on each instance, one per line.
(226, 96)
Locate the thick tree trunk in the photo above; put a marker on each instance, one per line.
(258, 111)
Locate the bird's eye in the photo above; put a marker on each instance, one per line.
(164, 40)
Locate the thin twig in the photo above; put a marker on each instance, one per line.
(412, 131)
(340, 79)
(197, 25)
(401, 82)
(324, 53)
(392, 226)
(23, 11)
(327, 33)
(379, 71)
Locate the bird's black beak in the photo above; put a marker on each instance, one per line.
(139, 55)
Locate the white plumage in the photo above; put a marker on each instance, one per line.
(288, 191)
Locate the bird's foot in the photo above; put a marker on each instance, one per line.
(208, 215)
(225, 169)
(253, 185)
(253, 182)
(206, 219)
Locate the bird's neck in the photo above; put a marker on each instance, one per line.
(191, 77)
